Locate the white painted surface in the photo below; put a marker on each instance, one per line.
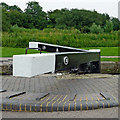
(33, 64)
(94, 50)
(33, 44)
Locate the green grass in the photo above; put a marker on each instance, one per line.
(105, 51)
(110, 59)
(9, 52)
(20, 38)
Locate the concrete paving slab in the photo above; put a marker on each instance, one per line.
(76, 92)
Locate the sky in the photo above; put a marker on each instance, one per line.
(102, 6)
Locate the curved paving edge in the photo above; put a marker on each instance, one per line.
(53, 103)
(64, 106)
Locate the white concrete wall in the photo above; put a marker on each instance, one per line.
(33, 64)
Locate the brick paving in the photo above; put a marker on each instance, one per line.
(62, 85)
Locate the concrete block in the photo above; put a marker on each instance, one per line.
(33, 64)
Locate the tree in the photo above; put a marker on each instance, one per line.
(4, 5)
(116, 24)
(96, 29)
(8, 8)
(5, 20)
(35, 15)
(11, 15)
(109, 26)
(16, 8)
(85, 29)
(80, 19)
(16, 17)
(53, 18)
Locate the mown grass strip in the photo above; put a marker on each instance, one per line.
(110, 59)
(9, 52)
(105, 51)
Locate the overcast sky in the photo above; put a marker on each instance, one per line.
(102, 6)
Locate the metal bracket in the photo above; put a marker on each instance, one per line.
(34, 49)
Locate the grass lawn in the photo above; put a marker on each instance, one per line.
(105, 51)
(9, 52)
(110, 59)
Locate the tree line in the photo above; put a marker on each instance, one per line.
(33, 17)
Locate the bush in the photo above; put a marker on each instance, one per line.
(14, 28)
(85, 29)
(108, 27)
(20, 37)
(96, 29)
(119, 38)
(5, 21)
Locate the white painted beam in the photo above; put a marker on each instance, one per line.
(33, 64)
(94, 50)
(33, 44)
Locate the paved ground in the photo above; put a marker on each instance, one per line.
(65, 84)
